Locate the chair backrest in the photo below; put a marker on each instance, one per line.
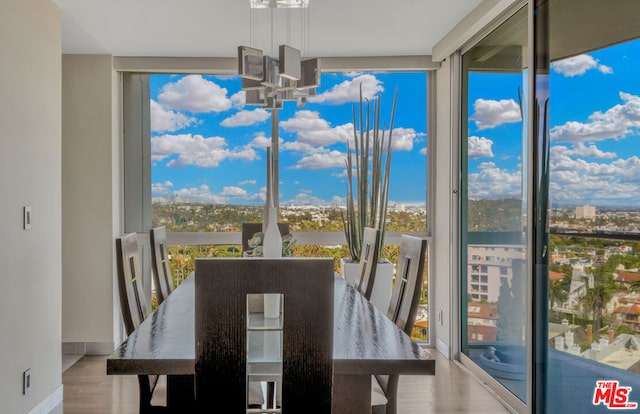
(369, 255)
(408, 282)
(249, 229)
(132, 300)
(404, 305)
(228, 336)
(160, 263)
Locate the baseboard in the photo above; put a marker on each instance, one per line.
(443, 348)
(87, 348)
(49, 403)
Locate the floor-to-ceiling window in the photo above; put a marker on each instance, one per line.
(571, 224)
(208, 155)
(207, 169)
(494, 204)
(592, 299)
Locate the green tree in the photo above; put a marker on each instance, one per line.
(599, 295)
(558, 292)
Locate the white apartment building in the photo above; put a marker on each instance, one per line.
(488, 266)
(585, 212)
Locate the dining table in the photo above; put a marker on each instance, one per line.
(365, 342)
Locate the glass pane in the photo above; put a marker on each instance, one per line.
(209, 159)
(494, 204)
(593, 352)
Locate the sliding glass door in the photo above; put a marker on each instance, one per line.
(550, 212)
(494, 204)
(591, 341)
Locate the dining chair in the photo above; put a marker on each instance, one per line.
(402, 310)
(135, 310)
(369, 255)
(160, 263)
(237, 345)
(249, 229)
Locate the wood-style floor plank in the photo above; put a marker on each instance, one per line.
(88, 390)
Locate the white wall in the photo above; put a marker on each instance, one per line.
(443, 211)
(30, 168)
(88, 216)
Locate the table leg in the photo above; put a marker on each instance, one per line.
(181, 393)
(351, 394)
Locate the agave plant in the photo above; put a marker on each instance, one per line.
(370, 162)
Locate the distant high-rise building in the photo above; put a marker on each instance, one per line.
(585, 212)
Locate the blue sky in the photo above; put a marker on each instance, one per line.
(594, 127)
(207, 145)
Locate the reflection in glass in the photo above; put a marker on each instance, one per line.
(594, 207)
(494, 204)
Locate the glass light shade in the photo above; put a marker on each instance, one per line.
(290, 62)
(250, 65)
(255, 97)
(271, 72)
(310, 76)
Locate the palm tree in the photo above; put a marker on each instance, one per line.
(558, 292)
(599, 295)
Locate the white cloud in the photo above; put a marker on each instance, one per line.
(301, 147)
(616, 122)
(480, 147)
(228, 194)
(402, 139)
(494, 182)
(349, 90)
(164, 119)
(234, 192)
(200, 194)
(489, 113)
(246, 182)
(305, 198)
(577, 180)
(607, 70)
(246, 152)
(261, 141)
(423, 151)
(581, 150)
(245, 118)
(319, 161)
(239, 99)
(160, 189)
(315, 131)
(579, 65)
(197, 150)
(195, 94)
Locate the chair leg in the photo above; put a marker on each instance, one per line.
(392, 394)
(145, 407)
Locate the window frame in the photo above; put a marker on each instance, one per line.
(228, 66)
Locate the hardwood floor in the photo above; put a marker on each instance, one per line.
(88, 390)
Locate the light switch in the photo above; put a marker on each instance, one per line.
(27, 218)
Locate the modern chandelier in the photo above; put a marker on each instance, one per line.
(269, 81)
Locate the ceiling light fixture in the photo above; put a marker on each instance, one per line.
(269, 81)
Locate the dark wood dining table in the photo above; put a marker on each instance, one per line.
(366, 342)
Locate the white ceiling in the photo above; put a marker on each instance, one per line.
(203, 28)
